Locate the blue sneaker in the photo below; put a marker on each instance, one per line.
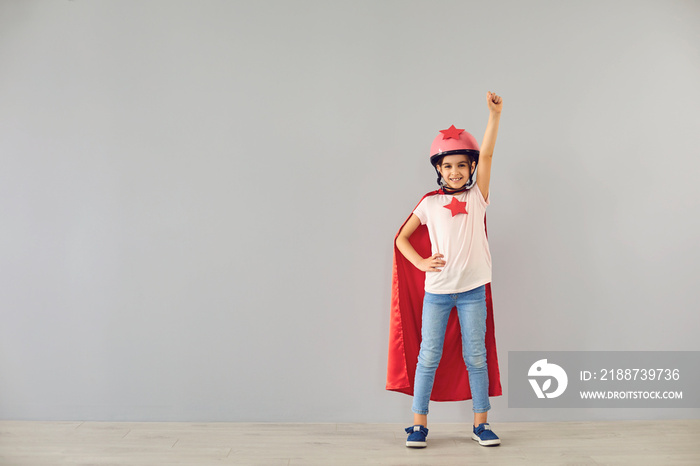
(416, 436)
(485, 436)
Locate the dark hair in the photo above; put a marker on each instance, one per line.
(472, 156)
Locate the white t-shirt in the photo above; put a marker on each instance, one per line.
(461, 239)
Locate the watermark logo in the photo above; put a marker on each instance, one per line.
(603, 379)
(542, 368)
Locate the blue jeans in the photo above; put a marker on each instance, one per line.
(471, 309)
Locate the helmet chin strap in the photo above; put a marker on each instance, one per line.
(448, 190)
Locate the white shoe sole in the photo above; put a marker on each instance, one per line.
(495, 441)
(414, 444)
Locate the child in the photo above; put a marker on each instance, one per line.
(457, 273)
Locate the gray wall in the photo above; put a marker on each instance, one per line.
(198, 199)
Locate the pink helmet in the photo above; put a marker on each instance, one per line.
(454, 141)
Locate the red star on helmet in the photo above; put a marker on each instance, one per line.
(451, 132)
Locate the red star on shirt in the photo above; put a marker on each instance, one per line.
(451, 132)
(456, 207)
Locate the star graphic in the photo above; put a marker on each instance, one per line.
(456, 207)
(451, 132)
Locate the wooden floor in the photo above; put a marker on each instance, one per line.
(658, 443)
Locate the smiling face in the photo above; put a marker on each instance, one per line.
(456, 170)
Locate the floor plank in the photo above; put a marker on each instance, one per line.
(37, 443)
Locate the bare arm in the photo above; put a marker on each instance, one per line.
(428, 264)
(483, 170)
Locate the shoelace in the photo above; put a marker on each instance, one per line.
(416, 428)
(482, 428)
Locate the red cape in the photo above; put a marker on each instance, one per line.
(407, 292)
